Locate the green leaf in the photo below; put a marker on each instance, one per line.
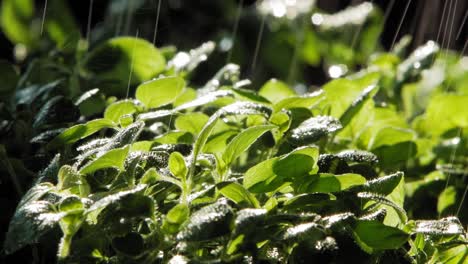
(112, 159)
(178, 214)
(326, 183)
(304, 101)
(383, 185)
(57, 110)
(209, 222)
(341, 93)
(237, 193)
(443, 113)
(379, 236)
(382, 200)
(388, 136)
(306, 231)
(77, 132)
(447, 199)
(239, 108)
(118, 109)
(451, 255)
(419, 60)
(188, 61)
(309, 202)
(16, 17)
(61, 26)
(177, 165)
(125, 60)
(191, 122)
(129, 196)
(314, 128)
(68, 177)
(443, 227)
(175, 137)
(357, 105)
(32, 219)
(248, 220)
(272, 173)
(151, 176)
(159, 92)
(243, 141)
(275, 91)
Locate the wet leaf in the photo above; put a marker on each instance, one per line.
(314, 128)
(304, 101)
(112, 159)
(209, 222)
(32, 219)
(357, 105)
(77, 132)
(443, 227)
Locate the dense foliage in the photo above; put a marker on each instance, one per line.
(149, 168)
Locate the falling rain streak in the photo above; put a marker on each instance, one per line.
(131, 64)
(158, 10)
(44, 17)
(400, 24)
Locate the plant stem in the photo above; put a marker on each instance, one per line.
(64, 249)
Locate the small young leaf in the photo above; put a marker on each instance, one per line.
(237, 193)
(447, 199)
(243, 141)
(159, 92)
(178, 214)
(67, 177)
(177, 165)
(118, 109)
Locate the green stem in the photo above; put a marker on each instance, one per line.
(65, 244)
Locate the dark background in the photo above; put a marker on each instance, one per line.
(424, 20)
